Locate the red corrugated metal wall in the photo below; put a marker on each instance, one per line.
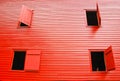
(60, 31)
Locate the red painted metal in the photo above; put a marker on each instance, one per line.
(98, 14)
(59, 31)
(109, 59)
(26, 16)
(32, 61)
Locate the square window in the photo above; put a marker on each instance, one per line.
(26, 60)
(19, 60)
(25, 19)
(98, 63)
(102, 60)
(92, 19)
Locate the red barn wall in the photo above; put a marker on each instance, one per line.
(60, 31)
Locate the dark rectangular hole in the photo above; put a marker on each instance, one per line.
(23, 24)
(98, 63)
(92, 19)
(19, 60)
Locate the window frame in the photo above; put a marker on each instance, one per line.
(98, 16)
(13, 53)
(105, 58)
(96, 50)
(22, 18)
(97, 26)
(26, 50)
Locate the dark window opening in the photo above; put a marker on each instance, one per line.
(19, 60)
(23, 24)
(92, 19)
(98, 63)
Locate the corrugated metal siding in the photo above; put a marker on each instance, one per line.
(59, 30)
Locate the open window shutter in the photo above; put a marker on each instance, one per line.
(109, 60)
(32, 62)
(98, 14)
(26, 16)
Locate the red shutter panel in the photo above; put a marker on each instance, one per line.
(34, 52)
(98, 15)
(109, 60)
(26, 16)
(32, 61)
